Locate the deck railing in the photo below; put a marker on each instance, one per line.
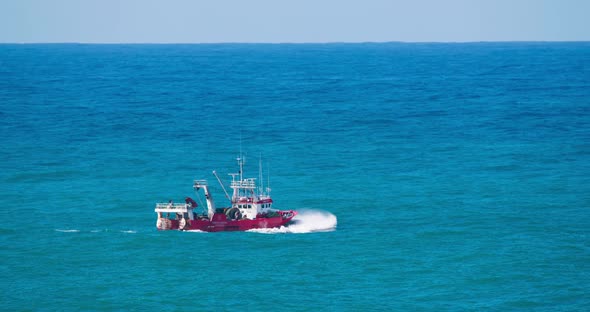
(171, 206)
(246, 183)
(199, 183)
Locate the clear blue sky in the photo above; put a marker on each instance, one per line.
(195, 21)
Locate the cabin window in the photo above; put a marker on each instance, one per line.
(249, 206)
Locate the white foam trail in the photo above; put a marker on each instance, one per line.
(94, 231)
(307, 221)
(195, 231)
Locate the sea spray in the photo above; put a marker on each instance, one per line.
(307, 221)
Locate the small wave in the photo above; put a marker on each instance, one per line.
(67, 231)
(7, 231)
(129, 231)
(307, 221)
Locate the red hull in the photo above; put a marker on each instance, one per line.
(220, 223)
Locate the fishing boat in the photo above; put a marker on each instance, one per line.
(251, 207)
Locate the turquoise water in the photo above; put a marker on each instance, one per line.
(430, 176)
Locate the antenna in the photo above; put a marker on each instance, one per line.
(260, 174)
(268, 178)
(241, 159)
(240, 143)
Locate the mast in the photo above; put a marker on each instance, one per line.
(241, 160)
(233, 182)
(261, 190)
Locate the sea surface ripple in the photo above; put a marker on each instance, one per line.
(431, 177)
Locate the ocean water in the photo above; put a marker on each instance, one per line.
(430, 177)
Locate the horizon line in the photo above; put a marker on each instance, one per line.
(297, 42)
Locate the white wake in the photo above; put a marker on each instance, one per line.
(94, 231)
(307, 221)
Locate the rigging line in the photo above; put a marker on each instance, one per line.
(222, 187)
